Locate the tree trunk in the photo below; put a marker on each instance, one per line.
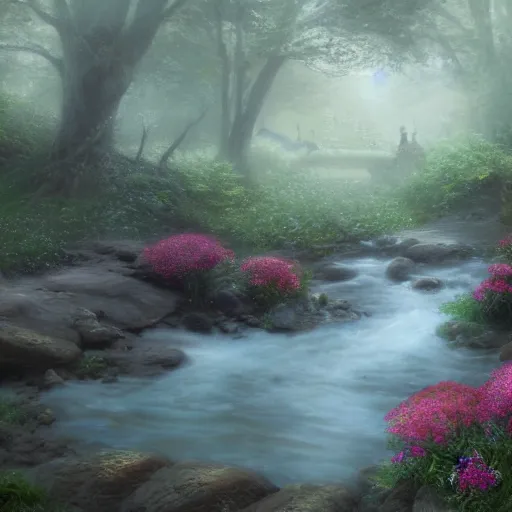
(243, 124)
(225, 85)
(91, 95)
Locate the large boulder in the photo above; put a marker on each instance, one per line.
(506, 352)
(437, 253)
(123, 301)
(401, 498)
(400, 269)
(335, 272)
(197, 487)
(92, 333)
(55, 304)
(23, 446)
(198, 322)
(98, 483)
(24, 349)
(472, 335)
(427, 284)
(307, 498)
(228, 303)
(145, 359)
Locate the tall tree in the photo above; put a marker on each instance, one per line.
(102, 41)
(473, 38)
(255, 39)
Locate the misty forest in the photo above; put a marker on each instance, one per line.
(255, 255)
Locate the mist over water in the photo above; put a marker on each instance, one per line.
(304, 407)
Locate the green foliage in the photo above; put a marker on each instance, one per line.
(323, 299)
(436, 468)
(17, 495)
(464, 308)
(91, 367)
(455, 175)
(287, 208)
(11, 412)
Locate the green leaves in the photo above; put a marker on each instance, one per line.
(454, 175)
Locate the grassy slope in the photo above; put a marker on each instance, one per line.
(287, 207)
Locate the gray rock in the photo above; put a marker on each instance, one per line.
(400, 269)
(145, 359)
(251, 321)
(51, 379)
(427, 284)
(198, 322)
(284, 317)
(401, 498)
(93, 334)
(428, 500)
(506, 352)
(23, 349)
(385, 241)
(437, 253)
(335, 272)
(198, 487)
(49, 304)
(228, 303)
(97, 483)
(472, 335)
(307, 498)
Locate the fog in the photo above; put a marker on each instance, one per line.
(351, 112)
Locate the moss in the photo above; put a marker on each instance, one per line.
(12, 412)
(91, 367)
(17, 495)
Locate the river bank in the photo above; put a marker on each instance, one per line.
(306, 407)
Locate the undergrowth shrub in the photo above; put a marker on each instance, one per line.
(504, 250)
(270, 280)
(465, 307)
(455, 176)
(490, 303)
(187, 261)
(17, 495)
(458, 439)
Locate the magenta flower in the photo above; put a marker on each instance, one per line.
(181, 255)
(473, 474)
(434, 413)
(267, 271)
(496, 396)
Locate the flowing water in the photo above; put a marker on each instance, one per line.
(303, 407)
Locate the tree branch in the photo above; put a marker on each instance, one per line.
(448, 16)
(143, 139)
(171, 10)
(37, 50)
(53, 21)
(175, 145)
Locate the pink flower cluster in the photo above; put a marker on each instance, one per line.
(496, 396)
(473, 474)
(413, 452)
(434, 413)
(181, 255)
(265, 271)
(506, 242)
(499, 282)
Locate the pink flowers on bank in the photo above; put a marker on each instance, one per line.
(181, 255)
(500, 282)
(434, 413)
(496, 397)
(189, 258)
(265, 271)
(473, 474)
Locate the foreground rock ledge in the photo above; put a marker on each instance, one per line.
(123, 481)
